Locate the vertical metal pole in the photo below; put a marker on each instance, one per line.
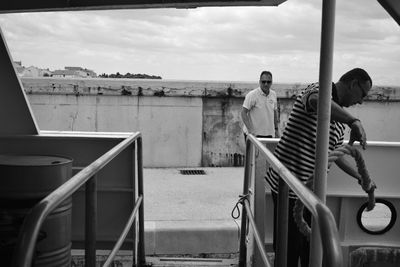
(247, 171)
(91, 221)
(282, 224)
(324, 115)
(260, 165)
(141, 252)
(134, 197)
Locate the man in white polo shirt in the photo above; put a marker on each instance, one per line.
(259, 111)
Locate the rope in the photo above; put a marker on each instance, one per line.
(365, 181)
(241, 200)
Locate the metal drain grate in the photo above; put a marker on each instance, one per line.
(192, 172)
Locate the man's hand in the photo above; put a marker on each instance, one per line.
(358, 134)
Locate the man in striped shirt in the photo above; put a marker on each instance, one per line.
(296, 148)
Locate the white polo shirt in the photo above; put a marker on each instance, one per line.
(261, 111)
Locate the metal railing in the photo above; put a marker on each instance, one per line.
(34, 220)
(320, 212)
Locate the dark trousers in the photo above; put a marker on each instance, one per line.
(298, 245)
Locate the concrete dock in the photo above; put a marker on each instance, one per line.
(187, 219)
(191, 214)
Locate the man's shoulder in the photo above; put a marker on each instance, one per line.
(254, 91)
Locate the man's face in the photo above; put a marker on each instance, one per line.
(358, 91)
(265, 83)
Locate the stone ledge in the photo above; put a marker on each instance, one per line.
(191, 237)
(168, 88)
(124, 259)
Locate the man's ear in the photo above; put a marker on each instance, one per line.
(353, 84)
(312, 102)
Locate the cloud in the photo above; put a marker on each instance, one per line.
(230, 43)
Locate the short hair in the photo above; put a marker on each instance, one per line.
(358, 74)
(265, 72)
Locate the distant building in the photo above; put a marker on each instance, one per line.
(65, 74)
(18, 67)
(68, 72)
(82, 72)
(31, 71)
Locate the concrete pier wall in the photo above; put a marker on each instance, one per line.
(184, 123)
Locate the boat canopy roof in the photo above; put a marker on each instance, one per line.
(15, 6)
(59, 5)
(393, 8)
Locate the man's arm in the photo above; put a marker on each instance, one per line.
(341, 115)
(337, 112)
(246, 120)
(345, 166)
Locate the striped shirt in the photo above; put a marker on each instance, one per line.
(296, 148)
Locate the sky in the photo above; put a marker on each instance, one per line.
(208, 43)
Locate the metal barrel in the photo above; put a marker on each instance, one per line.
(24, 181)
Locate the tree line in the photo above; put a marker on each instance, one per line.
(129, 75)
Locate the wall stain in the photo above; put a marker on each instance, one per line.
(125, 91)
(159, 93)
(76, 90)
(229, 91)
(225, 159)
(222, 133)
(140, 91)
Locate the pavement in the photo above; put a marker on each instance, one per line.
(191, 214)
(187, 219)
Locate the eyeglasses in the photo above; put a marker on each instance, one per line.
(266, 82)
(363, 93)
